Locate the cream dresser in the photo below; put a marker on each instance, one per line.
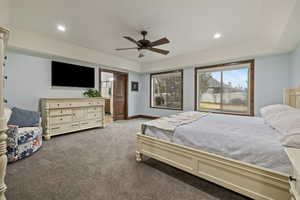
(294, 156)
(61, 116)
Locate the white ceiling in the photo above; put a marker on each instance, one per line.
(189, 25)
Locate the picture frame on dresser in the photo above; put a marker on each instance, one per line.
(66, 115)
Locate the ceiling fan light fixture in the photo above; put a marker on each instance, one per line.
(61, 28)
(217, 35)
(142, 53)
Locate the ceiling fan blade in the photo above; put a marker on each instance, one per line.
(160, 42)
(161, 51)
(132, 40)
(120, 49)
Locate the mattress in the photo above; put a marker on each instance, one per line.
(247, 139)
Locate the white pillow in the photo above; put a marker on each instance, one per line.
(292, 140)
(270, 111)
(287, 123)
(7, 114)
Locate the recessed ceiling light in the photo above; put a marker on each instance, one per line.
(217, 35)
(61, 28)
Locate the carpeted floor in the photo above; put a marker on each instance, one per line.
(100, 164)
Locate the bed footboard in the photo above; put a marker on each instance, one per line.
(246, 179)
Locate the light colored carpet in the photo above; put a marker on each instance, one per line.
(100, 164)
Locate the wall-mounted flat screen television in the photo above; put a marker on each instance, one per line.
(69, 75)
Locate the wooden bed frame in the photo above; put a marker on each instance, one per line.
(249, 180)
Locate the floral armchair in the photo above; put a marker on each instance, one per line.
(22, 141)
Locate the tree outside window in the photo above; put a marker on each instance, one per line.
(226, 88)
(166, 90)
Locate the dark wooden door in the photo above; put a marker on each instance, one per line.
(120, 96)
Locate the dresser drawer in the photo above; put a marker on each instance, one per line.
(79, 113)
(83, 104)
(55, 129)
(100, 102)
(95, 109)
(60, 120)
(58, 105)
(58, 112)
(84, 123)
(58, 128)
(75, 125)
(94, 115)
(70, 104)
(76, 104)
(87, 103)
(97, 121)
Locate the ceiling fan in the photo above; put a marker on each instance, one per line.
(145, 44)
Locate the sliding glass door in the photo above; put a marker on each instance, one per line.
(226, 88)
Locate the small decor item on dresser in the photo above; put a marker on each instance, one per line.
(92, 93)
(134, 86)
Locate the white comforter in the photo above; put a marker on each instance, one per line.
(247, 139)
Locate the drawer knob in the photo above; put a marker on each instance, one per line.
(292, 178)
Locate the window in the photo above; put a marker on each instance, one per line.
(226, 88)
(166, 90)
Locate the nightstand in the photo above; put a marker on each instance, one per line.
(294, 156)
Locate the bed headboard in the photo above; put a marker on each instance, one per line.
(291, 97)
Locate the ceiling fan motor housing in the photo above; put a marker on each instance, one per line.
(144, 44)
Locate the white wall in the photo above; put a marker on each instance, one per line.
(29, 79)
(272, 74)
(133, 96)
(296, 68)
